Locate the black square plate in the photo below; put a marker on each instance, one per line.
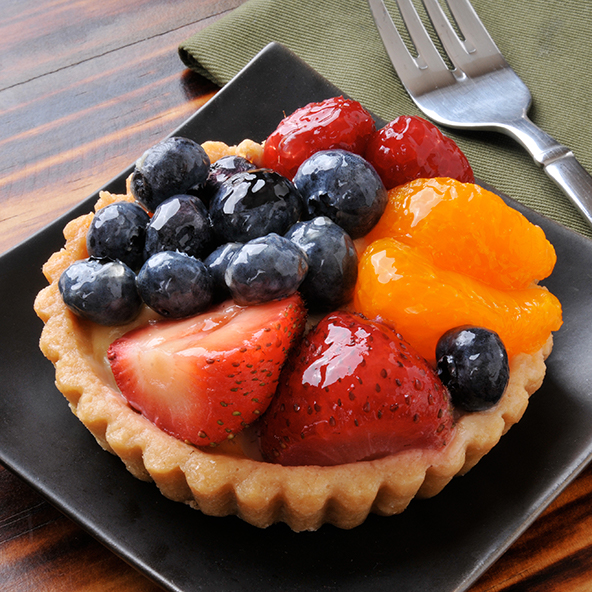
(440, 544)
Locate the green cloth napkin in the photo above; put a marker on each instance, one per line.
(545, 41)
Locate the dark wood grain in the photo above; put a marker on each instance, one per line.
(85, 88)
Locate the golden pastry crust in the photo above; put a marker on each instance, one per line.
(248, 149)
(231, 479)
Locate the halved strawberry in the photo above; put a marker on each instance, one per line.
(205, 378)
(354, 390)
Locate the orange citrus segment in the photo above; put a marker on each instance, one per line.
(401, 285)
(467, 229)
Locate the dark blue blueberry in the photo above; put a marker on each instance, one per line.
(344, 187)
(180, 223)
(169, 168)
(221, 171)
(175, 285)
(253, 204)
(473, 364)
(217, 262)
(101, 291)
(267, 268)
(118, 231)
(332, 263)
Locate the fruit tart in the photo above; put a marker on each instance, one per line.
(306, 330)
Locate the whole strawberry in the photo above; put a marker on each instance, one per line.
(353, 391)
(336, 122)
(205, 378)
(410, 147)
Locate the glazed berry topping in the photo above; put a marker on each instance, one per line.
(334, 123)
(101, 291)
(175, 284)
(180, 223)
(345, 188)
(335, 191)
(332, 263)
(410, 147)
(267, 268)
(252, 204)
(118, 231)
(217, 262)
(204, 379)
(221, 171)
(472, 362)
(353, 391)
(169, 168)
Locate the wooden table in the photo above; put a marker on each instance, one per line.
(85, 88)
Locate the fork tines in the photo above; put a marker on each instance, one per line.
(465, 54)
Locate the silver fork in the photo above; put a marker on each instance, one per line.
(480, 92)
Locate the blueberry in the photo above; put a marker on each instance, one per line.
(175, 284)
(180, 223)
(267, 268)
(217, 262)
(118, 231)
(252, 204)
(101, 291)
(332, 263)
(344, 187)
(169, 168)
(473, 364)
(221, 171)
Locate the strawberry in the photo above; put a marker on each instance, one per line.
(354, 390)
(336, 122)
(205, 378)
(409, 147)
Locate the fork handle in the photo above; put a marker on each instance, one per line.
(574, 180)
(558, 161)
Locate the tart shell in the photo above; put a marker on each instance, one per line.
(230, 479)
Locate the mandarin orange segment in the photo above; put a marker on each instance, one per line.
(401, 285)
(467, 229)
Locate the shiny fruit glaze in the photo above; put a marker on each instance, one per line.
(410, 147)
(333, 123)
(401, 285)
(467, 229)
(355, 390)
